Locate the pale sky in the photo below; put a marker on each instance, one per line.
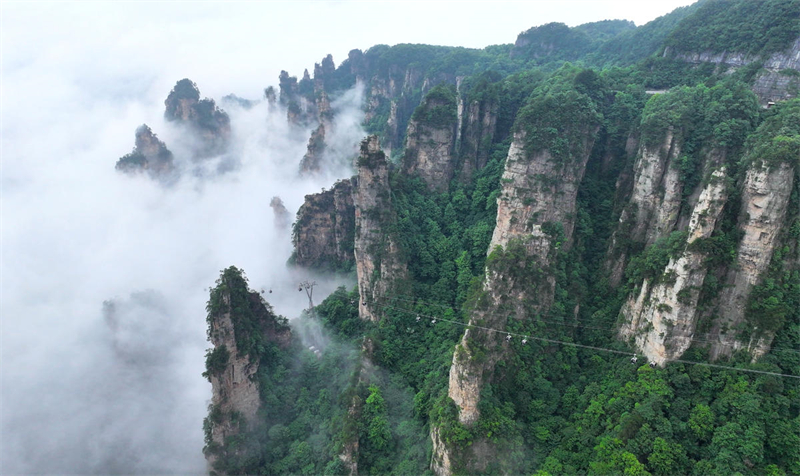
(242, 46)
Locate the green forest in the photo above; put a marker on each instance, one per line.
(568, 400)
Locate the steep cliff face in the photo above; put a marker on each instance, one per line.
(652, 209)
(662, 317)
(479, 124)
(535, 211)
(239, 320)
(765, 197)
(323, 235)
(778, 79)
(211, 124)
(378, 264)
(535, 218)
(392, 97)
(313, 159)
(430, 140)
(150, 154)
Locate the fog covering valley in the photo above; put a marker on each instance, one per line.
(106, 275)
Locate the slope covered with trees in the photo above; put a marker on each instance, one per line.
(584, 229)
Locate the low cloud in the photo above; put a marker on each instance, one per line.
(106, 276)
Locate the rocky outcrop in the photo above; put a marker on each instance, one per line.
(479, 124)
(652, 210)
(535, 217)
(392, 96)
(313, 159)
(662, 317)
(280, 213)
(378, 265)
(778, 81)
(300, 108)
(430, 140)
(211, 125)
(323, 235)
(440, 462)
(765, 198)
(149, 154)
(238, 318)
(538, 192)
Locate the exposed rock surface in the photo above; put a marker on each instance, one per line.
(325, 228)
(202, 116)
(775, 83)
(313, 159)
(662, 317)
(653, 207)
(536, 193)
(378, 265)
(235, 395)
(765, 199)
(149, 153)
(430, 140)
(536, 190)
(395, 94)
(479, 124)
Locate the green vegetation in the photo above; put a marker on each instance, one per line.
(549, 408)
(216, 361)
(185, 89)
(741, 26)
(777, 139)
(252, 319)
(134, 160)
(438, 109)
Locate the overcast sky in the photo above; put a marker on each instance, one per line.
(85, 391)
(238, 46)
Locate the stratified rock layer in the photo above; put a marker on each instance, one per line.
(325, 228)
(765, 198)
(378, 265)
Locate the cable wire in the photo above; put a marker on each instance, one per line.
(586, 326)
(591, 347)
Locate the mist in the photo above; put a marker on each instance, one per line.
(106, 276)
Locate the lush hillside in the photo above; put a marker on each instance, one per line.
(558, 273)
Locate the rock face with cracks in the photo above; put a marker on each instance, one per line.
(430, 140)
(323, 235)
(662, 317)
(238, 320)
(378, 264)
(765, 199)
(775, 82)
(537, 193)
(652, 209)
